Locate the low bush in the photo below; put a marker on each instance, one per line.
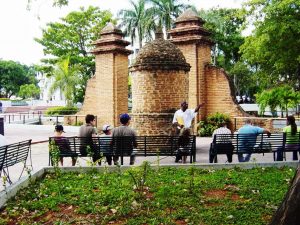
(61, 110)
(212, 122)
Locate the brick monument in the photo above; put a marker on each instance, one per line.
(207, 83)
(159, 84)
(107, 92)
(165, 73)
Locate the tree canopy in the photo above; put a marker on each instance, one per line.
(13, 75)
(282, 97)
(274, 46)
(28, 91)
(137, 22)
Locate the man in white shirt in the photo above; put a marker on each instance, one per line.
(183, 117)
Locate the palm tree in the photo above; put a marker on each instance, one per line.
(66, 77)
(137, 22)
(166, 11)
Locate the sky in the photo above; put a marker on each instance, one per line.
(19, 26)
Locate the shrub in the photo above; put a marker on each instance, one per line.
(212, 122)
(4, 99)
(61, 110)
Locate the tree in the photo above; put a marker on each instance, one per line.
(73, 37)
(166, 11)
(283, 97)
(288, 212)
(137, 22)
(66, 78)
(13, 75)
(28, 91)
(226, 26)
(274, 46)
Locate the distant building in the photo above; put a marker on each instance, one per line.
(57, 98)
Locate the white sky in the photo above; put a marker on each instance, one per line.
(19, 27)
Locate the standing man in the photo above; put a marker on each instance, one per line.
(87, 131)
(248, 139)
(183, 117)
(125, 139)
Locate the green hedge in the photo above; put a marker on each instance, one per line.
(4, 99)
(212, 122)
(61, 110)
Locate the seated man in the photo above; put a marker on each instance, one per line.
(183, 145)
(247, 139)
(124, 139)
(223, 142)
(63, 145)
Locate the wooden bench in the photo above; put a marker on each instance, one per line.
(13, 154)
(231, 144)
(122, 146)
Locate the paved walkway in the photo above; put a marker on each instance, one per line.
(19, 132)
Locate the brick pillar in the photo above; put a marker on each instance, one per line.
(107, 92)
(194, 42)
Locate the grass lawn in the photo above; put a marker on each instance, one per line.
(144, 195)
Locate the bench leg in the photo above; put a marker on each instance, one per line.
(213, 158)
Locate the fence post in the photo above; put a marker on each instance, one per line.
(75, 120)
(234, 124)
(24, 119)
(1, 126)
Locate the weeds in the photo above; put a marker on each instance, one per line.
(172, 197)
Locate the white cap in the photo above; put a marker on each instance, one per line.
(106, 127)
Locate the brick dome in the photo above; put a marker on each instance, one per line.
(160, 54)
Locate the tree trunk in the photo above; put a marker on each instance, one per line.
(289, 211)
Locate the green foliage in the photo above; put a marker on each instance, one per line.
(212, 122)
(4, 99)
(219, 197)
(66, 78)
(72, 37)
(61, 110)
(164, 12)
(274, 46)
(29, 91)
(283, 97)
(141, 21)
(137, 22)
(226, 26)
(13, 75)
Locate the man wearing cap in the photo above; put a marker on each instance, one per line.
(125, 144)
(105, 144)
(63, 145)
(87, 131)
(183, 117)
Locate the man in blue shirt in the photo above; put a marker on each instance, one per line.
(247, 139)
